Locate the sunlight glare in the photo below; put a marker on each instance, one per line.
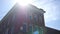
(24, 2)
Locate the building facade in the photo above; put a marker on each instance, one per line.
(23, 20)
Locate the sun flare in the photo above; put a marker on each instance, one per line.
(24, 2)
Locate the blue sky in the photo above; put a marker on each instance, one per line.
(52, 8)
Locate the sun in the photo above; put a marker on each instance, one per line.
(24, 2)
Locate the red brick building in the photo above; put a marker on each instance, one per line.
(23, 20)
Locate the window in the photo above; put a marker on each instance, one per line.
(30, 29)
(6, 32)
(14, 17)
(38, 30)
(31, 17)
(40, 18)
(12, 30)
(24, 27)
(35, 17)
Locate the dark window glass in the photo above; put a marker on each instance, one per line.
(24, 28)
(6, 32)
